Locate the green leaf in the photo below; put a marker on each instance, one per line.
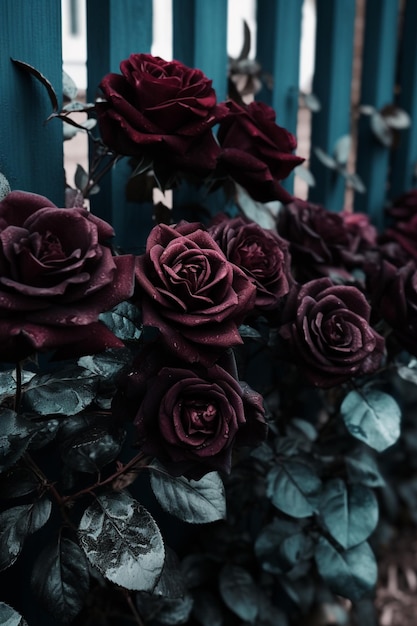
(239, 592)
(4, 186)
(282, 544)
(69, 88)
(165, 610)
(207, 609)
(10, 617)
(325, 158)
(60, 579)
(349, 514)
(121, 539)
(17, 524)
(381, 129)
(342, 149)
(352, 573)
(90, 444)
(372, 416)
(294, 488)
(106, 364)
(7, 381)
(16, 482)
(362, 468)
(124, 320)
(193, 501)
(42, 79)
(15, 435)
(64, 393)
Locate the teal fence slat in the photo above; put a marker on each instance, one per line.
(377, 89)
(31, 153)
(278, 51)
(404, 159)
(200, 38)
(116, 29)
(332, 85)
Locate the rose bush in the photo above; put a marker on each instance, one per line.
(57, 274)
(260, 253)
(189, 419)
(326, 328)
(191, 292)
(256, 152)
(162, 111)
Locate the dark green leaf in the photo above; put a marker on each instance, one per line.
(325, 158)
(239, 592)
(312, 102)
(124, 321)
(60, 579)
(372, 416)
(305, 174)
(90, 449)
(355, 182)
(69, 88)
(294, 488)
(194, 501)
(81, 178)
(171, 583)
(165, 610)
(381, 130)
(349, 514)
(4, 186)
(247, 332)
(281, 545)
(342, 149)
(10, 617)
(16, 524)
(16, 482)
(65, 393)
(106, 364)
(207, 609)
(395, 117)
(42, 79)
(15, 435)
(362, 468)
(352, 573)
(7, 381)
(121, 539)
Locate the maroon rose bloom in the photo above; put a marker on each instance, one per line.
(162, 111)
(404, 207)
(57, 275)
(320, 241)
(191, 292)
(190, 419)
(394, 296)
(326, 328)
(260, 253)
(256, 152)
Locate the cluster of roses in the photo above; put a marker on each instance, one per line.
(314, 279)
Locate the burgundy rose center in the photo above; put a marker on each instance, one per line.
(199, 416)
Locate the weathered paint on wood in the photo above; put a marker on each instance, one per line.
(31, 153)
(377, 89)
(116, 29)
(332, 85)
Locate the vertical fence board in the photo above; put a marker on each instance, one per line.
(332, 85)
(377, 89)
(200, 38)
(116, 29)
(31, 153)
(404, 159)
(278, 52)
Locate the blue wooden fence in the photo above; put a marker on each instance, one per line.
(31, 153)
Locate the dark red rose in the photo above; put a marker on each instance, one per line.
(161, 110)
(318, 238)
(191, 292)
(393, 293)
(326, 328)
(362, 236)
(404, 207)
(256, 152)
(57, 275)
(189, 419)
(260, 253)
(400, 240)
